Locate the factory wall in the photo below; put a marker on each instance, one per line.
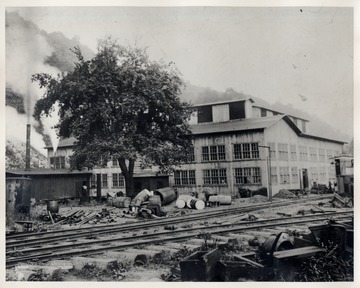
(227, 184)
(294, 158)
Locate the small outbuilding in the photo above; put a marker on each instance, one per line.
(50, 184)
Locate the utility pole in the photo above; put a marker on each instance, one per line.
(268, 170)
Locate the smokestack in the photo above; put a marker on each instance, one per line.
(27, 156)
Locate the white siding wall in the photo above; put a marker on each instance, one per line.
(193, 118)
(229, 164)
(220, 113)
(248, 109)
(282, 133)
(61, 151)
(256, 112)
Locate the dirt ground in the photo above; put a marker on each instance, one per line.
(96, 268)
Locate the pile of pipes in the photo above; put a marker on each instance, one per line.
(78, 217)
(71, 218)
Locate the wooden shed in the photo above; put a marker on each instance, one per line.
(49, 184)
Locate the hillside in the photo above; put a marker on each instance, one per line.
(15, 156)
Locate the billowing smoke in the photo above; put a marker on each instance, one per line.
(16, 129)
(26, 51)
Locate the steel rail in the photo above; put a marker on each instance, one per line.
(123, 228)
(158, 222)
(288, 220)
(13, 261)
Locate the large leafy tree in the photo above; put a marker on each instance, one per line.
(119, 104)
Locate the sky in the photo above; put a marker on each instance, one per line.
(276, 54)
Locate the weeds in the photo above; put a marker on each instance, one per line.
(328, 267)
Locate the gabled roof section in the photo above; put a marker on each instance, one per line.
(64, 142)
(223, 102)
(236, 125)
(259, 123)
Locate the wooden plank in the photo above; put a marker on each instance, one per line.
(297, 252)
(252, 263)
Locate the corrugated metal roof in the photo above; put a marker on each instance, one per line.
(235, 125)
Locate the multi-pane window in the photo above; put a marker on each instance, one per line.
(104, 180)
(274, 176)
(118, 180)
(191, 155)
(294, 175)
(323, 174)
(214, 176)
(314, 174)
(329, 153)
(321, 155)
(263, 112)
(283, 151)
(293, 154)
(57, 162)
(247, 175)
(213, 153)
(93, 181)
(313, 154)
(184, 177)
(272, 150)
(246, 151)
(303, 153)
(284, 175)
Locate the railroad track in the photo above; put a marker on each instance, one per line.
(124, 241)
(18, 240)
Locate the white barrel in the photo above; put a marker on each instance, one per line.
(222, 199)
(180, 203)
(197, 204)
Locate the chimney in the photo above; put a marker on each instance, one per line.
(27, 156)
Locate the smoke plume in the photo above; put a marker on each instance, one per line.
(26, 52)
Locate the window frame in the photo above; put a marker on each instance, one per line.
(215, 177)
(247, 176)
(213, 153)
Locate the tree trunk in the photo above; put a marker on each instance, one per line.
(128, 173)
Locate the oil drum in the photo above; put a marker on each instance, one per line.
(53, 206)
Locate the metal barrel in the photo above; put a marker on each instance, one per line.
(53, 206)
(121, 202)
(167, 195)
(180, 203)
(222, 199)
(197, 204)
(155, 200)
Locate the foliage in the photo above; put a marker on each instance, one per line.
(119, 104)
(327, 267)
(39, 275)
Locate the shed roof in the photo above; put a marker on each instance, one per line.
(38, 172)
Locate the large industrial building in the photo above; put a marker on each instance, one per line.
(237, 145)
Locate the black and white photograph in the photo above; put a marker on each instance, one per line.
(179, 143)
